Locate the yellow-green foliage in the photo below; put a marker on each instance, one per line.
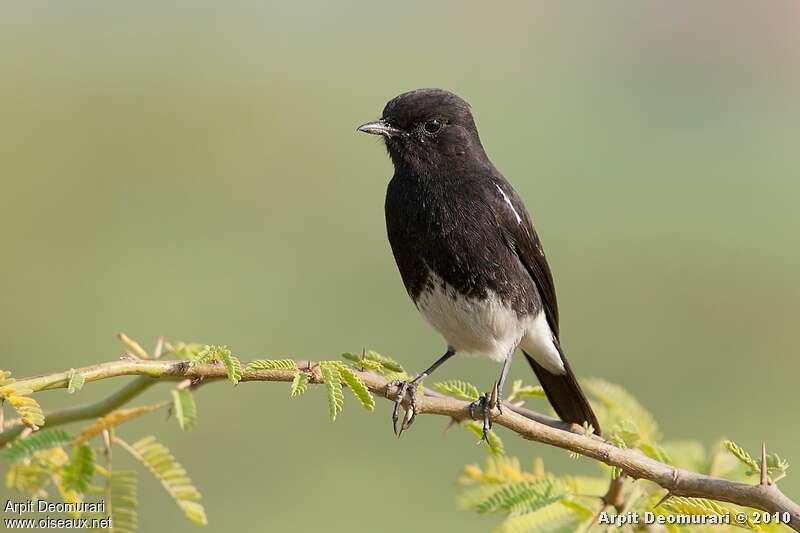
(113, 419)
(221, 354)
(28, 409)
(776, 466)
(493, 441)
(173, 477)
(458, 389)
(36, 442)
(519, 391)
(369, 360)
(335, 374)
(185, 408)
(333, 388)
(299, 384)
(77, 475)
(534, 500)
(272, 364)
(76, 381)
(526, 499)
(356, 386)
(523, 497)
(123, 501)
(702, 507)
(33, 475)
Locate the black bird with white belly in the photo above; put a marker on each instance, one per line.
(468, 253)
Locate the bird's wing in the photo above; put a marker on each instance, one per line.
(519, 234)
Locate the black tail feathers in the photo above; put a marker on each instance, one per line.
(565, 394)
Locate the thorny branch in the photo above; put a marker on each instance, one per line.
(528, 424)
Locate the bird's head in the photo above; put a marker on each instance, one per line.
(429, 132)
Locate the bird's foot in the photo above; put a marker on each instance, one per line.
(403, 389)
(486, 403)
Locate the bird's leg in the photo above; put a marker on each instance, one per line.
(490, 400)
(410, 388)
(497, 393)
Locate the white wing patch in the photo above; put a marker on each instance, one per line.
(505, 197)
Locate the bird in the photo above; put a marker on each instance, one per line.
(469, 255)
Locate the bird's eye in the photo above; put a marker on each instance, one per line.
(432, 126)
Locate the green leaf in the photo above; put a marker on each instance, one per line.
(553, 518)
(358, 388)
(333, 388)
(366, 364)
(76, 381)
(78, 473)
(299, 384)
(16, 394)
(350, 356)
(222, 354)
(518, 390)
(234, 369)
(776, 466)
(523, 497)
(495, 444)
(741, 454)
(185, 408)
(173, 477)
(458, 389)
(375, 361)
(272, 364)
(654, 451)
(701, 507)
(36, 442)
(114, 419)
(387, 362)
(124, 502)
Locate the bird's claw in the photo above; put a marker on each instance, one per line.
(486, 402)
(403, 389)
(482, 403)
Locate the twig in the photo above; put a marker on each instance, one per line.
(528, 424)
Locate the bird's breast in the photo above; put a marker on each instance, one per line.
(485, 324)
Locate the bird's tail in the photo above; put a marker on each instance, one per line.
(565, 394)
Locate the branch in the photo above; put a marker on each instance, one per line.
(528, 424)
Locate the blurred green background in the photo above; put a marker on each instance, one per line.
(192, 169)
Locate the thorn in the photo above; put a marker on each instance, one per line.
(453, 422)
(133, 346)
(159, 349)
(107, 444)
(764, 477)
(666, 497)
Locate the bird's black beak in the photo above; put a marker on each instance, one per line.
(380, 127)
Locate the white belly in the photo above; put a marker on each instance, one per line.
(487, 326)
